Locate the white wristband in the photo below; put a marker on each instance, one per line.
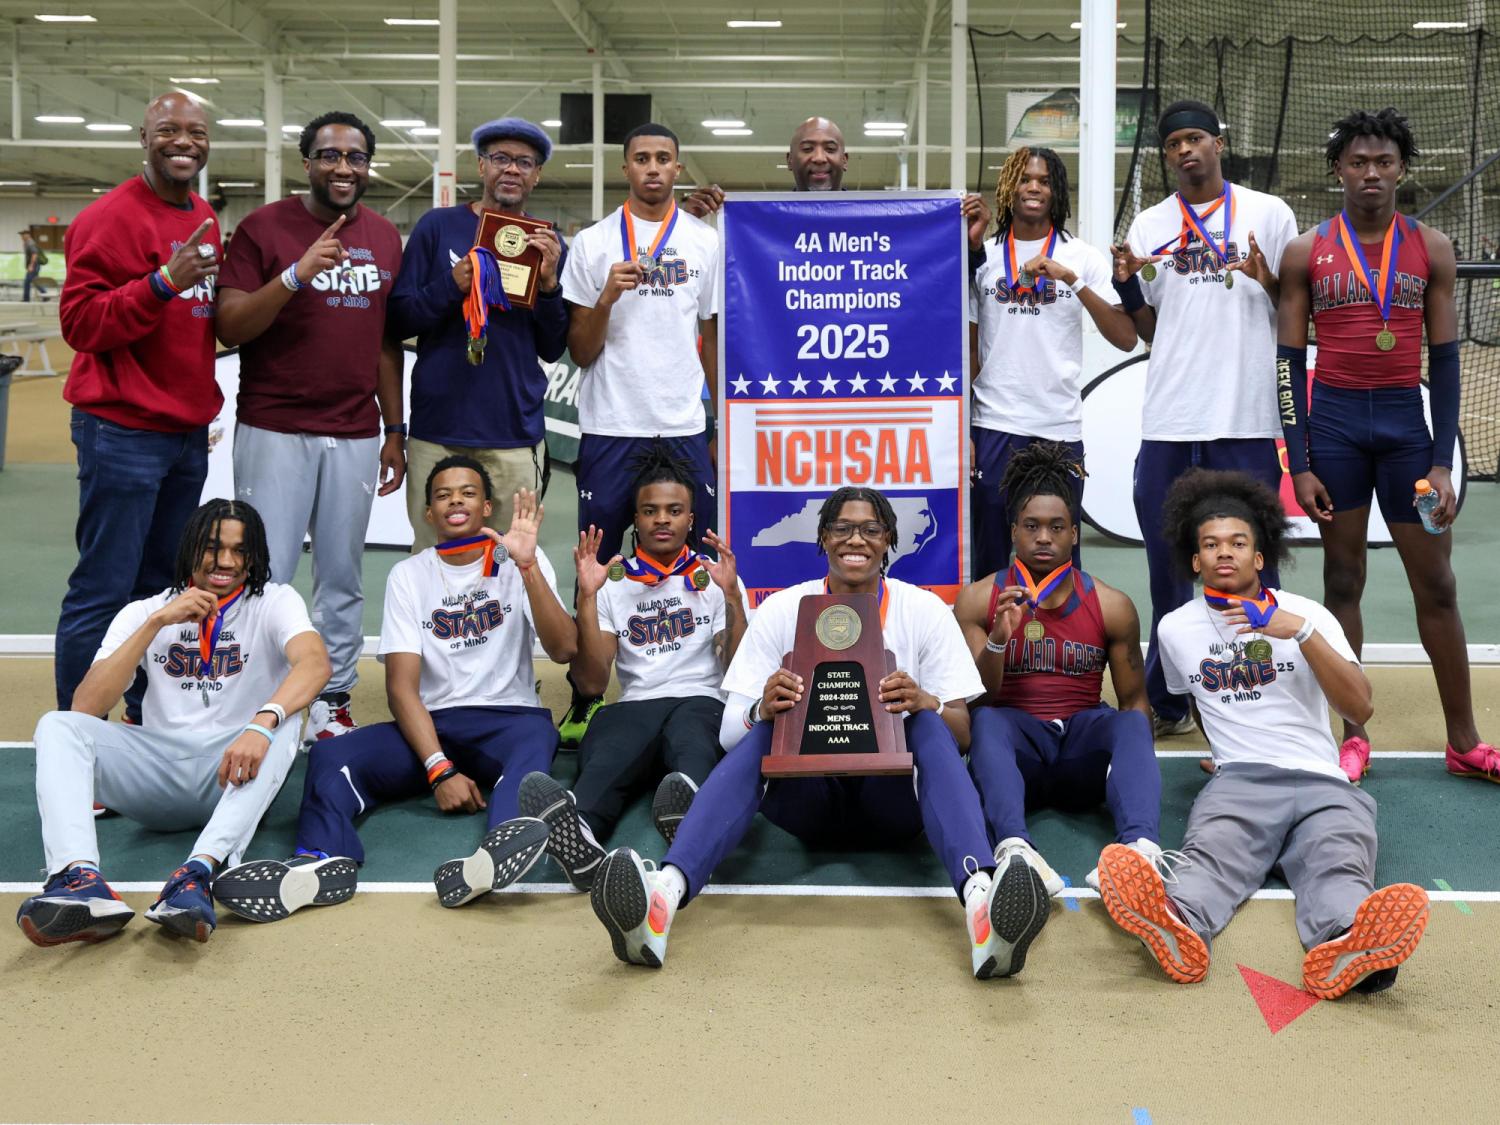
(289, 278)
(275, 709)
(991, 646)
(1079, 285)
(433, 759)
(1304, 634)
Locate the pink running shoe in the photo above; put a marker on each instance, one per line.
(1354, 758)
(1482, 762)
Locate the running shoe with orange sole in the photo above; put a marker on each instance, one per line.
(1133, 892)
(1387, 927)
(1354, 758)
(1482, 762)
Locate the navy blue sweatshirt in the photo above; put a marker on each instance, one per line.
(497, 405)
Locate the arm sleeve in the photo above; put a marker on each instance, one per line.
(1291, 400)
(946, 668)
(1279, 237)
(289, 616)
(577, 286)
(1098, 271)
(549, 320)
(732, 726)
(1443, 385)
(1176, 682)
(400, 623)
(245, 262)
(425, 295)
(1328, 625)
(126, 622)
(101, 308)
(710, 300)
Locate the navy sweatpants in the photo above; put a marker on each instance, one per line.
(848, 811)
(992, 452)
(1021, 763)
(605, 476)
(350, 775)
(1158, 464)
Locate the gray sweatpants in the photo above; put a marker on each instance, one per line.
(1252, 819)
(302, 483)
(167, 780)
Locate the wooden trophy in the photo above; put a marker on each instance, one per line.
(839, 727)
(504, 235)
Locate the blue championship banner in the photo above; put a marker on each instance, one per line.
(843, 360)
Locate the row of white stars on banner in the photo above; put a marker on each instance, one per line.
(916, 384)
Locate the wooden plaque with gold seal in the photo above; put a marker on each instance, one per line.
(503, 233)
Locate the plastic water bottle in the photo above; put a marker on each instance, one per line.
(1426, 501)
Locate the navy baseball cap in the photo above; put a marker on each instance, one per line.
(513, 128)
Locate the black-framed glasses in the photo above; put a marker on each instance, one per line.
(500, 161)
(330, 157)
(843, 529)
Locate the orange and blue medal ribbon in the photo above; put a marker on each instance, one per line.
(208, 632)
(1191, 219)
(485, 291)
(1038, 592)
(1182, 237)
(1017, 278)
(645, 570)
(1258, 611)
(885, 599)
(468, 543)
(646, 259)
(1385, 340)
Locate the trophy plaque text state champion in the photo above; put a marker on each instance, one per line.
(839, 727)
(504, 235)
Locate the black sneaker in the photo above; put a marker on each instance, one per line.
(506, 853)
(570, 842)
(674, 796)
(267, 890)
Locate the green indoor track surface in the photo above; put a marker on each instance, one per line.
(1434, 837)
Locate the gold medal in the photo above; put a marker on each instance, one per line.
(1148, 271)
(1385, 339)
(1229, 281)
(837, 627)
(616, 572)
(1258, 650)
(1035, 630)
(700, 579)
(475, 351)
(510, 240)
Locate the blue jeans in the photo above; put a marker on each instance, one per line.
(31, 279)
(136, 490)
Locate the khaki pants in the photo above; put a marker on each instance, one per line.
(509, 470)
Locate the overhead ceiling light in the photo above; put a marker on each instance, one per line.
(886, 125)
(426, 131)
(404, 123)
(552, 123)
(46, 18)
(380, 164)
(196, 99)
(753, 23)
(725, 123)
(577, 165)
(406, 21)
(781, 166)
(107, 127)
(193, 81)
(236, 183)
(733, 132)
(58, 119)
(1076, 26)
(1439, 25)
(242, 122)
(100, 190)
(16, 183)
(291, 128)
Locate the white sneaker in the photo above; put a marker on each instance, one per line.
(1148, 848)
(1005, 917)
(628, 898)
(1014, 845)
(1172, 728)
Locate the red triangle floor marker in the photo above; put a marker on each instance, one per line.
(1279, 1002)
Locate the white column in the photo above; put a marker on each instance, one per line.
(15, 82)
(922, 125)
(203, 181)
(444, 169)
(273, 115)
(596, 198)
(1096, 122)
(958, 97)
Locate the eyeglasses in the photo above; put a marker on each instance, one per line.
(843, 529)
(500, 161)
(330, 157)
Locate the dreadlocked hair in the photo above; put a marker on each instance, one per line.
(1389, 124)
(1043, 468)
(884, 514)
(657, 464)
(201, 535)
(1008, 186)
(1201, 495)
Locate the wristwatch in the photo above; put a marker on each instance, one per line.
(397, 428)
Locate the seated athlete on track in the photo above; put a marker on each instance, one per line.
(1262, 667)
(456, 639)
(669, 620)
(1041, 632)
(935, 681)
(228, 656)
